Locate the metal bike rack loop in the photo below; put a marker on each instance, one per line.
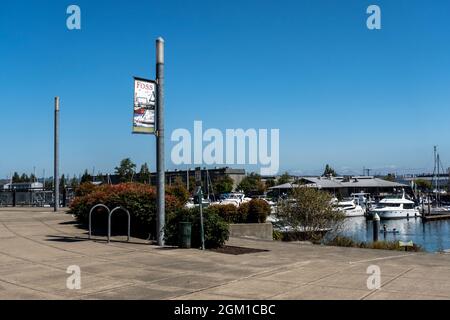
(90, 216)
(109, 222)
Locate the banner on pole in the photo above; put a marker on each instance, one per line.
(144, 110)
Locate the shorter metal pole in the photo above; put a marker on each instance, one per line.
(202, 229)
(376, 227)
(109, 228)
(56, 157)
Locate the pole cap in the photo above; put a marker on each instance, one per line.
(57, 103)
(160, 50)
(376, 217)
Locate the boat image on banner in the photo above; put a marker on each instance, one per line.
(144, 106)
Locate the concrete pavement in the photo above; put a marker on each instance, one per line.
(37, 246)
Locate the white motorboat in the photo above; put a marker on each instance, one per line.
(350, 208)
(191, 204)
(234, 198)
(396, 208)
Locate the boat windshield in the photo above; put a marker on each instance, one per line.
(345, 206)
(389, 205)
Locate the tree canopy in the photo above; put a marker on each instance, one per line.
(126, 170)
(329, 172)
(223, 185)
(285, 178)
(252, 184)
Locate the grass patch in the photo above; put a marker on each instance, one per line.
(340, 241)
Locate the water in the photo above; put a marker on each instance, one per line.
(432, 236)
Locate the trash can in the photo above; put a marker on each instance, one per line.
(185, 235)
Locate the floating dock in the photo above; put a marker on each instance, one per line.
(436, 217)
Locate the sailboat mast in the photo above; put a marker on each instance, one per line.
(438, 198)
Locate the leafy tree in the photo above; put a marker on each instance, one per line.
(390, 177)
(48, 185)
(252, 184)
(192, 185)
(285, 178)
(423, 184)
(144, 174)
(32, 178)
(74, 182)
(126, 170)
(311, 210)
(270, 183)
(86, 177)
(223, 185)
(329, 172)
(16, 178)
(24, 178)
(62, 181)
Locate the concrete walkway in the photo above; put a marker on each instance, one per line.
(37, 247)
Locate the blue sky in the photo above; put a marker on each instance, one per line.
(338, 92)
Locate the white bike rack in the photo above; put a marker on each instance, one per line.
(110, 213)
(109, 222)
(90, 216)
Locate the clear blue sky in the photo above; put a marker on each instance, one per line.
(339, 93)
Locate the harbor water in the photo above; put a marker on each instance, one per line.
(431, 236)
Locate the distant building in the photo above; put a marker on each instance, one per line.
(207, 175)
(24, 186)
(346, 186)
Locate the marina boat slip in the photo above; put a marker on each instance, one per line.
(394, 207)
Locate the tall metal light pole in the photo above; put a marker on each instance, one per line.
(56, 157)
(160, 141)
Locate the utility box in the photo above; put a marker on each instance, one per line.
(185, 233)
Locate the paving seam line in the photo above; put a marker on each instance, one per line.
(24, 286)
(141, 283)
(304, 263)
(54, 247)
(383, 258)
(307, 284)
(386, 283)
(51, 266)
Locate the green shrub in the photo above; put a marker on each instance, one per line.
(258, 211)
(340, 241)
(215, 228)
(277, 235)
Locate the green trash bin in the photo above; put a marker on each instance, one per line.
(185, 235)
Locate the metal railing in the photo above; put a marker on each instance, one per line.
(34, 197)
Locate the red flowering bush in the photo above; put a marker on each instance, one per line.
(230, 213)
(138, 199)
(255, 211)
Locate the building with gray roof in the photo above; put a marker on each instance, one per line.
(345, 186)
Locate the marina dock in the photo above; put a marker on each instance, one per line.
(436, 217)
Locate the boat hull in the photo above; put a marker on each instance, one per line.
(355, 213)
(395, 214)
